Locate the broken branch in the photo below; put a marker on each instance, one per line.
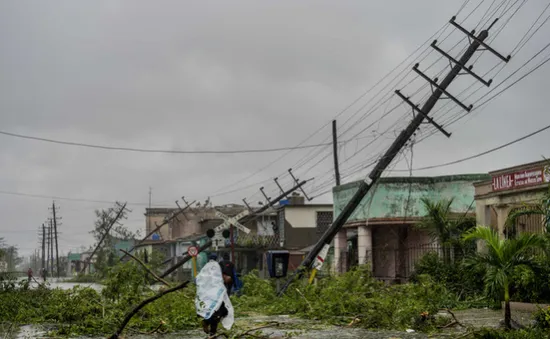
(307, 301)
(159, 279)
(130, 314)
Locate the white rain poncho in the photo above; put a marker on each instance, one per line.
(211, 293)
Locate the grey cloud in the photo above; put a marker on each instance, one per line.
(216, 75)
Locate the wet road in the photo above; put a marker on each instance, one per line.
(296, 328)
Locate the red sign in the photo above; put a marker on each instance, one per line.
(521, 179)
(193, 251)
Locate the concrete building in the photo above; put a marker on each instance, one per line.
(381, 230)
(291, 225)
(197, 220)
(509, 189)
(301, 225)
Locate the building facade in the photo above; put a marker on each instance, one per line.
(381, 231)
(509, 189)
(291, 225)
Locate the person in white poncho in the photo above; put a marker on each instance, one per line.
(212, 302)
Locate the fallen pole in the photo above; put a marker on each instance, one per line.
(185, 259)
(142, 304)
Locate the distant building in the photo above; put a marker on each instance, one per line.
(381, 230)
(510, 189)
(292, 225)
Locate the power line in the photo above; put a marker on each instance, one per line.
(148, 150)
(440, 32)
(479, 154)
(480, 106)
(42, 196)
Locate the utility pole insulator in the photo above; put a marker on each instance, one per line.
(279, 185)
(265, 195)
(296, 181)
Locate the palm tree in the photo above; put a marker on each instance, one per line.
(443, 226)
(501, 258)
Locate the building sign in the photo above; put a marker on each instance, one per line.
(521, 179)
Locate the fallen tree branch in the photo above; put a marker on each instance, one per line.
(355, 320)
(156, 330)
(307, 301)
(159, 279)
(39, 284)
(133, 312)
(249, 332)
(454, 322)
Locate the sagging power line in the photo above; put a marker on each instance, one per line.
(439, 89)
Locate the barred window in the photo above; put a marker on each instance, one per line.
(324, 220)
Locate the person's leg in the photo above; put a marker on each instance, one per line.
(214, 325)
(228, 287)
(205, 326)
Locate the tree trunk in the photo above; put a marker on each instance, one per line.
(507, 311)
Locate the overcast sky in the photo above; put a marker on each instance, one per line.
(231, 75)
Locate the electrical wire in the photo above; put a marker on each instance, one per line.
(442, 30)
(54, 197)
(479, 154)
(478, 107)
(148, 150)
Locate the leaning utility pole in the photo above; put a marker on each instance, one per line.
(438, 90)
(158, 227)
(113, 221)
(335, 153)
(55, 234)
(243, 220)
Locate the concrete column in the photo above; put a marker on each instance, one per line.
(364, 244)
(340, 250)
(502, 215)
(483, 213)
(483, 218)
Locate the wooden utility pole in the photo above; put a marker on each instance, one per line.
(55, 234)
(43, 246)
(51, 246)
(115, 219)
(335, 153)
(243, 220)
(439, 88)
(158, 227)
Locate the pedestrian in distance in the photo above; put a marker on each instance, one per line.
(228, 273)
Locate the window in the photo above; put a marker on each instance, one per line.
(324, 220)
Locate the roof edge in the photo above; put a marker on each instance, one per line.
(474, 177)
(521, 166)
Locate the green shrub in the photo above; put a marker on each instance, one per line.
(465, 283)
(356, 294)
(532, 285)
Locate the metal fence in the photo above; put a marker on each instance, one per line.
(395, 263)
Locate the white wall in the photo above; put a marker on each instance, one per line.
(304, 216)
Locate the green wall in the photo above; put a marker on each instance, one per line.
(389, 197)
